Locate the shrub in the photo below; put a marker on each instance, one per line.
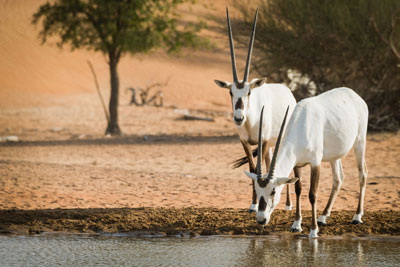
(337, 43)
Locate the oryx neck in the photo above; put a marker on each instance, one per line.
(285, 162)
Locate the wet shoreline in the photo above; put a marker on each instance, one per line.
(188, 222)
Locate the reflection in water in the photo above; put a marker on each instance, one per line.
(360, 254)
(298, 245)
(314, 247)
(201, 251)
(284, 251)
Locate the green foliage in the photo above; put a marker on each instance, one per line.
(117, 26)
(350, 43)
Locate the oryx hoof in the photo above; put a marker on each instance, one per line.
(322, 220)
(296, 226)
(356, 219)
(313, 234)
(289, 207)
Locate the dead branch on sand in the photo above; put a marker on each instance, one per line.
(98, 91)
(157, 99)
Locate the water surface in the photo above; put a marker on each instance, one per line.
(83, 250)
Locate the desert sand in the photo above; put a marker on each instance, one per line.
(64, 161)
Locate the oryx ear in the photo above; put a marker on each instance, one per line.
(284, 180)
(223, 84)
(257, 82)
(251, 175)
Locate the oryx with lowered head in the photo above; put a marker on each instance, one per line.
(322, 128)
(247, 100)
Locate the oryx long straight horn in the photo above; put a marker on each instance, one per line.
(233, 59)
(259, 152)
(253, 33)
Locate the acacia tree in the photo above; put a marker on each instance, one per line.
(114, 28)
(354, 43)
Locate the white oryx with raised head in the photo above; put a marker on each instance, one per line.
(321, 128)
(247, 100)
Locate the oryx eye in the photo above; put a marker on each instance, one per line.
(273, 192)
(249, 93)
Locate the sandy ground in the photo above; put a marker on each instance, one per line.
(169, 170)
(63, 160)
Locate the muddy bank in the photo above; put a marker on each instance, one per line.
(193, 221)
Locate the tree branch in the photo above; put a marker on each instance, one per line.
(389, 41)
(392, 27)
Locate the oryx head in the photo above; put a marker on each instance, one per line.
(268, 187)
(240, 90)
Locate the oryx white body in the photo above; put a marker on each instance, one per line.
(321, 128)
(275, 98)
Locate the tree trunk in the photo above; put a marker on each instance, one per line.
(113, 127)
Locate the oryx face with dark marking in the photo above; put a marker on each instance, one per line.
(240, 90)
(268, 192)
(268, 187)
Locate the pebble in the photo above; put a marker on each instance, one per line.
(10, 138)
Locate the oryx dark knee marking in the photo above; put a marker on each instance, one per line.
(314, 184)
(298, 187)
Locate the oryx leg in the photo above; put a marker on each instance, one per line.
(288, 198)
(359, 149)
(296, 226)
(338, 177)
(266, 155)
(313, 200)
(252, 169)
